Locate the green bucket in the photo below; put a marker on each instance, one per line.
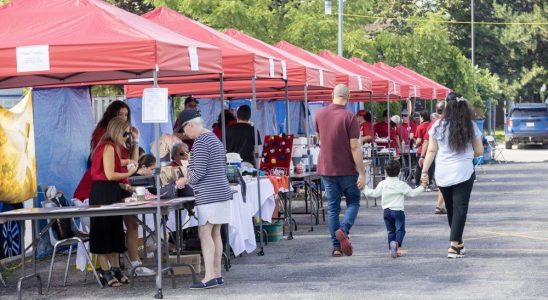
(273, 231)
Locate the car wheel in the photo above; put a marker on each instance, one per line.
(508, 145)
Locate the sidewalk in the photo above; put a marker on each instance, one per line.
(506, 239)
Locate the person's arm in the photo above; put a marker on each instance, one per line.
(430, 154)
(424, 149)
(198, 163)
(414, 192)
(375, 193)
(108, 166)
(478, 147)
(358, 160)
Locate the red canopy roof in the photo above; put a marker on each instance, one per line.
(441, 91)
(408, 89)
(356, 83)
(381, 86)
(300, 71)
(45, 42)
(427, 90)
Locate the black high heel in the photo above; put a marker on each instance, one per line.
(119, 275)
(107, 279)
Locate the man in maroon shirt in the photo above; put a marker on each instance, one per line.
(340, 163)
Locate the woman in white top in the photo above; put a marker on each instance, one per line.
(454, 142)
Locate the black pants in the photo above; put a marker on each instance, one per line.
(456, 199)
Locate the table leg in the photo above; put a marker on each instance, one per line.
(33, 275)
(290, 214)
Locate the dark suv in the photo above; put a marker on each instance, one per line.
(526, 122)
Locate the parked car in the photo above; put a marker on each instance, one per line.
(526, 123)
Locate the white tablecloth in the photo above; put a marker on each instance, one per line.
(241, 230)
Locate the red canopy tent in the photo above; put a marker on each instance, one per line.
(382, 87)
(47, 42)
(441, 91)
(240, 62)
(359, 85)
(408, 89)
(427, 90)
(52, 42)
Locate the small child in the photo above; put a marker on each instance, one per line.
(392, 190)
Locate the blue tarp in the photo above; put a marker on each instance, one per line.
(63, 124)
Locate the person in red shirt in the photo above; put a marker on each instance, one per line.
(366, 128)
(340, 163)
(106, 236)
(381, 130)
(408, 126)
(422, 130)
(229, 121)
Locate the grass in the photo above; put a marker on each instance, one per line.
(499, 135)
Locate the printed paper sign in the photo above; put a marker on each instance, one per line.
(32, 58)
(193, 54)
(284, 70)
(155, 105)
(271, 62)
(321, 77)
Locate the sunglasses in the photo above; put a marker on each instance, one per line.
(405, 115)
(182, 154)
(127, 134)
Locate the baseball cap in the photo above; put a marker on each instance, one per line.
(404, 112)
(191, 99)
(396, 119)
(185, 116)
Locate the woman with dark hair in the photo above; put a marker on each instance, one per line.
(454, 141)
(229, 121)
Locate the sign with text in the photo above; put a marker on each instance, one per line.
(155, 105)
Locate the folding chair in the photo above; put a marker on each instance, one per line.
(71, 242)
(496, 151)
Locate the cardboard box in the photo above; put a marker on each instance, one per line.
(194, 260)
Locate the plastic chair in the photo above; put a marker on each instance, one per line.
(80, 237)
(496, 151)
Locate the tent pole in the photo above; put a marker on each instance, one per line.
(388, 114)
(159, 294)
(223, 125)
(257, 164)
(287, 131)
(307, 127)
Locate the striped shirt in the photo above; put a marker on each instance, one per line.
(207, 170)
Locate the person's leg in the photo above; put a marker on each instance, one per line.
(218, 241)
(399, 217)
(333, 192)
(103, 261)
(461, 198)
(131, 238)
(447, 194)
(390, 224)
(418, 174)
(353, 196)
(440, 201)
(208, 250)
(114, 259)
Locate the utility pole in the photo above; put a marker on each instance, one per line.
(340, 27)
(472, 27)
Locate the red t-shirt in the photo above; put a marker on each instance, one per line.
(366, 129)
(422, 129)
(336, 126)
(97, 135)
(381, 129)
(219, 131)
(413, 128)
(427, 135)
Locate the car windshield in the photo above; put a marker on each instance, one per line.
(530, 112)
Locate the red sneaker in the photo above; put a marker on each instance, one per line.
(346, 246)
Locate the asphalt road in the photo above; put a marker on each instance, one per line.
(506, 237)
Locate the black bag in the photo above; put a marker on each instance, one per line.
(234, 176)
(62, 227)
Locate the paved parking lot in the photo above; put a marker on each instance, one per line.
(506, 237)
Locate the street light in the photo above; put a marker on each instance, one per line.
(328, 5)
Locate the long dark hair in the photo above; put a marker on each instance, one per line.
(110, 113)
(229, 117)
(458, 118)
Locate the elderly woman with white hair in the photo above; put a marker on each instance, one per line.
(207, 175)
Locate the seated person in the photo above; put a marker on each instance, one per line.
(179, 153)
(166, 143)
(364, 119)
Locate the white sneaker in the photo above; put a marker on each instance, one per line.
(141, 271)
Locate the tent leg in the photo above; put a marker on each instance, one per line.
(257, 163)
(223, 127)
(159, 293)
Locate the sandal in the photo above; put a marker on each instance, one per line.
(108, 279)
(121, 277)
(461, 248)
(336, 252)
(454, 252)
